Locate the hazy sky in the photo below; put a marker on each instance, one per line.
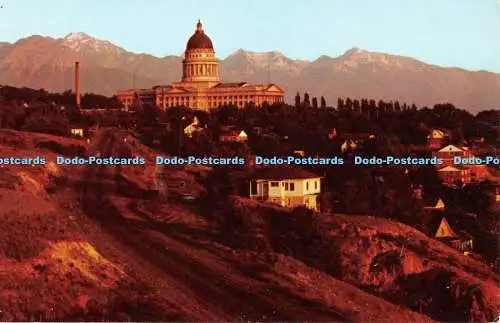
(463, 33)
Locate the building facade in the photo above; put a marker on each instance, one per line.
(200, 87)
(436, 139)
(287, 187)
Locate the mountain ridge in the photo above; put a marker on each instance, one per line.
(46, 62)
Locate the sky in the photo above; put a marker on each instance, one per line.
(461, 33)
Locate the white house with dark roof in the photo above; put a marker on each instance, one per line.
(288, 187)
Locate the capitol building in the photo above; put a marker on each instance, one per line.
(200, 87)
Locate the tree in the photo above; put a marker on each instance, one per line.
(297, 100)
(307, 102)
(397, 106)
(315, 102)
(357, 106)
(340, 104)
(323, 102)
(348, 104)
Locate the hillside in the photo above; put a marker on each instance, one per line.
(44, 62)
(97, 243)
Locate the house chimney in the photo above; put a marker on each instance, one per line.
(77, 83)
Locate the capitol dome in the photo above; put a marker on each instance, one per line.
(199, 40)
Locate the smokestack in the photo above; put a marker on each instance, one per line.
(77, 83)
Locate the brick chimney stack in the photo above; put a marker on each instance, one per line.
(77, 83)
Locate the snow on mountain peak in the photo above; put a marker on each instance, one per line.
(77, 37)
(266, 60)
(355, 56)
(80, 41)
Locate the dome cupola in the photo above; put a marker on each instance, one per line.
(199, 40)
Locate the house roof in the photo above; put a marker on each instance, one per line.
(234, 133)
(449, 169)
(431, 221)
(437, 134)
(450, 148)
(282, 173)
(433, 202)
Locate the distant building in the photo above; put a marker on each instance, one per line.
(478, 172)
(440, 229)
(348, 145)
(300, 153)
(450, 175)
(435, 205)
(449, 152)
(233, 135)
(200, 86)
(77, 132)
(195, 126)
(288, 187)
(436, 139)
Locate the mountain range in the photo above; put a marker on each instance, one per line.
(45, 62)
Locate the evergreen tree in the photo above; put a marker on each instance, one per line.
(315, 102)
(390, 107)
(397, 107)
(364, 106)
(357, 106)
(307, 102)
(297, 100)
(340, 104)
(348, 104)
(323, 102)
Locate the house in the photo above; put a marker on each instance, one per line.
(348, 145)
(478, 173)
(436, 139)
(300, 153)
(233, 135)
(450, 175)
(449, 152)
(434, 204)
(288, 187)
(194, 127)
(77, 132)
(440, 229)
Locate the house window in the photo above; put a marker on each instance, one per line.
(307, 186)
(286, 186)
(315, 185)
(275, 184)
(292, 186)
